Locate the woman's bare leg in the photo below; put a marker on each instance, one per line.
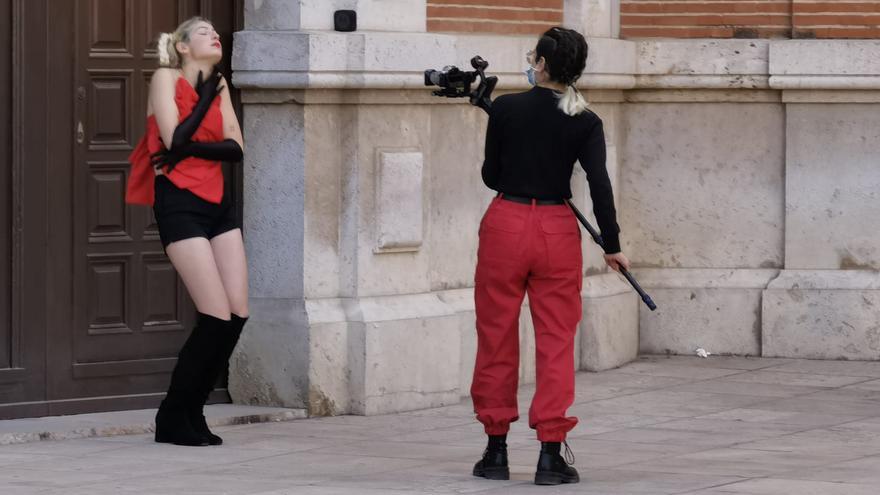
(194, 261)
(231, 262)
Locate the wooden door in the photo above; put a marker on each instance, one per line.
(114, 341)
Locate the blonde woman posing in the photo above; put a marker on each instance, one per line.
(176, 168)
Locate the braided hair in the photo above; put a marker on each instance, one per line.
(565, 54)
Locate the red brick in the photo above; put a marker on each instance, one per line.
(839, 32)
(542, 4)
(705, 20)
(836, 20)
(436, 26)
(672, 32)
(495, 14)
(821, 7)
(673, 7)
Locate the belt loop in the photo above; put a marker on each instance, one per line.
(534, 203)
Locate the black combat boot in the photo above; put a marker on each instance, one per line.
(493, 465)
(553, 469)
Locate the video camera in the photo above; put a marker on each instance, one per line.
(456, 83)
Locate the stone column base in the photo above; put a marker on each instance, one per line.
(823, 314)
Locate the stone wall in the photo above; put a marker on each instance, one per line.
(749, 189)
(363, 196)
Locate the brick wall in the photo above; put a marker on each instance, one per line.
(750, 18)
(494, 16)
(672, 18)
(836, 19)
(705, 19)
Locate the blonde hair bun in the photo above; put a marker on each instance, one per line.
(162, 47)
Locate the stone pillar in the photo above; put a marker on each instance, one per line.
(338, 218)
(594, 18)
(824, 305)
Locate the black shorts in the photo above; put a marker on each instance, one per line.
(181, 214)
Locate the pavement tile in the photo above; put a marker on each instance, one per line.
(662, 425)
(772, 486)
(775, 377)
(740, 462)
(848, 368)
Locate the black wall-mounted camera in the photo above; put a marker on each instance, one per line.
(345, 21)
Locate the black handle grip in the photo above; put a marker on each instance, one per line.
(623, 271)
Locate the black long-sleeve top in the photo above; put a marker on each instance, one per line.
(531, 147)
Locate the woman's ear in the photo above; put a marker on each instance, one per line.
(540, 65)
(181, 47)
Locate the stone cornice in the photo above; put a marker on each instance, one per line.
(376, 60)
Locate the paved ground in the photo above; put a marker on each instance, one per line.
(658, 426)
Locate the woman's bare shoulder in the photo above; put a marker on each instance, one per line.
(165, 76)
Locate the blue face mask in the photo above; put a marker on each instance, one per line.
(530, 75)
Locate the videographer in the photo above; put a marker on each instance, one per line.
(530, 242)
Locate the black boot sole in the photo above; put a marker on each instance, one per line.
(547, 478)
(498, 473)
(182, 442)
(201, 427)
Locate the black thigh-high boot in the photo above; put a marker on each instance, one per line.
(227, 335)
(172, 421)
(553, 469)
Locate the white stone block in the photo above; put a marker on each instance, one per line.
(267, 15)
(824, 57)
(716, 309)
(609, 329)
(722, 321)
(394, 348)
(392, 15)
(822, 324)
(458, 197)
(703, 57)
(832, 192)
(271, 362)
(329, 390)
(702, 185)
(399, 204)
(597, 18)
(274, 185)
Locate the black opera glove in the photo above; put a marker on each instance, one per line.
(207, 91)
(227, 150)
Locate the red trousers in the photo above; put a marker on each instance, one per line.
(536, 250)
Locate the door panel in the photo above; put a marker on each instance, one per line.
(23, 213)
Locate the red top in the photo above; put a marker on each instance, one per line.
(203, 177)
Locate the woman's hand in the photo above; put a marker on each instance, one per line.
(210, 88)
(616, 261)
(165, 160)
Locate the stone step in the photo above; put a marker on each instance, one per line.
(135, 422)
